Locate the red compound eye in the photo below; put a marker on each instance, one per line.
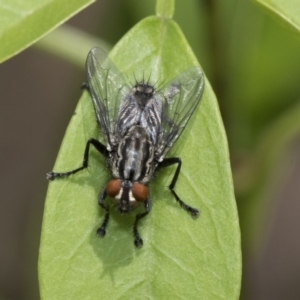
(113, 188)
(139, 192)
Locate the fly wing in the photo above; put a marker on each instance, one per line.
(107, 88)
(152, 117)
(180, 98)
(129, 114)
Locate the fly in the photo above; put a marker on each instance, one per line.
(139, 125)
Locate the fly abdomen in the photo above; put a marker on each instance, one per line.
(135, 155)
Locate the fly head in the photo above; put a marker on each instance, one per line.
(127, 195)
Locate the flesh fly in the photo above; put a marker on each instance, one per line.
(139, 125)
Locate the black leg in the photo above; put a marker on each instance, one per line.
(102, 230)
(171, 161)
(100, 147)
(138, 242)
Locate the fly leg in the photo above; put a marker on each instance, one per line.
(171, 161)
(102, 230)
(99, 146)
(138, 242)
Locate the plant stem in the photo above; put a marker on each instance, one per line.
(70, 44)
(165, 8)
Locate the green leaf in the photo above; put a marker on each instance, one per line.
(286, 10)
(23, 22)
(181, 257)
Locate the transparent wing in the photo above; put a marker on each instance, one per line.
(107, 88)
(180, 98)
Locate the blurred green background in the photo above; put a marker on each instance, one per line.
(253, 64)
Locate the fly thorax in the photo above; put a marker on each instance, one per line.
(135, 155)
